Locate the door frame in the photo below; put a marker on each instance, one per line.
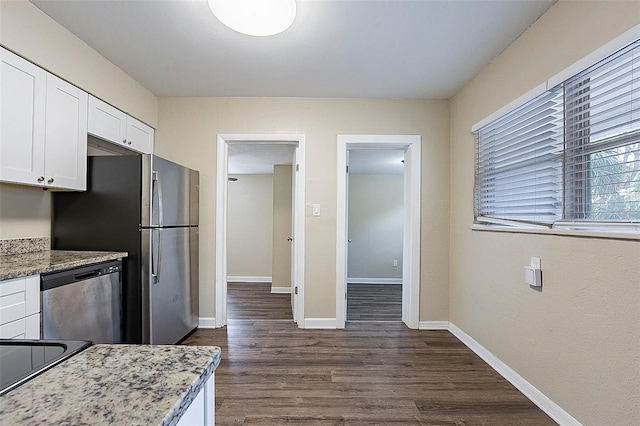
(411, 144)
(222, 174)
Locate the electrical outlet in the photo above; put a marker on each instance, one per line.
(535, 263)
(395, 263)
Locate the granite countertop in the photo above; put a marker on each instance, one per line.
(114, 384)
(24, 264)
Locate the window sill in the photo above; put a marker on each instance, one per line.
(559, 232)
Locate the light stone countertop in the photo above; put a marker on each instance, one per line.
(25, 264)
(114, 384)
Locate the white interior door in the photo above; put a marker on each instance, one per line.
(294, 287)
(411, 222)
(347, 240)
(298, 219)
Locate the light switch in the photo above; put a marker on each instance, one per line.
(315, 208)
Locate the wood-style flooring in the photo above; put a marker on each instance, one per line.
(371, 373)
(374, 302)
(254, 301)
(365, 302)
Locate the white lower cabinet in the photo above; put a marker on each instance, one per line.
(20, 308)
(201, 412)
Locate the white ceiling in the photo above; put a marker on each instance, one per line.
(258, 158)
(357, 48)
(376, 161)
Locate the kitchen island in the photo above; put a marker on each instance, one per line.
(119, 384)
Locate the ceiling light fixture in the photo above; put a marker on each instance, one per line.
(255, 17)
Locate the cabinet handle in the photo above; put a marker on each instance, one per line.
(129, 142)
(124, 141)
(50, 180)
(41, 179)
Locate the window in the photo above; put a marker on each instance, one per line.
(570, 155)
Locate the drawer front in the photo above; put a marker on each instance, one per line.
(32, 327)
(14, 330)
(32, 297)
(13, 304)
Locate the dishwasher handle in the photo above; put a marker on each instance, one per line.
(82, 273)
(88, 275)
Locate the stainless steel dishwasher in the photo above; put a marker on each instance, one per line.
(83, 303)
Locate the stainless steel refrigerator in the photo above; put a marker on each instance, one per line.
(147, 206)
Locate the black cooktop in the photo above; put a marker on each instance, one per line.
(21, 360)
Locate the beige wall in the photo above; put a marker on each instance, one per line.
(282, 210)
(578, 339)
(375, 225)
(187, 129)
(25, 212)
(250, 226)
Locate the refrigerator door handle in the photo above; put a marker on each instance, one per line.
(155, 266)
(157, 189)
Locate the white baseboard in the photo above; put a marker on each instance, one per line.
(374, 280)
(433, 325)
(280, 290)
(322, 323)
(247, 279)
(206, 322)
(541, 400)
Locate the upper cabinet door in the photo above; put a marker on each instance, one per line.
(139, 136)
(65, 135)
(107, 122)
(113, 125)
(22, 113)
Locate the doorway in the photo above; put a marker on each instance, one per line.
(410, 145)
(258, 144)
(375, 217)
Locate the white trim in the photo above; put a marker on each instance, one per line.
(433, 325)
(206, 322)
(247, 279)
(541, 400)
(280, 290)
(558, 232)
(374, 280)
(221, 231)
(223, 141)
(320, 323)
(596, 56)
(411, 233)
(577, 67)
(531, 94)
(411, 229)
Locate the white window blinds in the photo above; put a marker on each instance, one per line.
(602, 140)
(519, 163)
(571, 154)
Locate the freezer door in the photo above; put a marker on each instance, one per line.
(173, 283)
(174, 194)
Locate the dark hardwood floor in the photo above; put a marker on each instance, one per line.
(374, 302)
(254, 301)
(273, 373)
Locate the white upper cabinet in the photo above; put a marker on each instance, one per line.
(65, 135)
(43, 127)
(139, 136)
(107, 122)
(22, 112)
(113, 125)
